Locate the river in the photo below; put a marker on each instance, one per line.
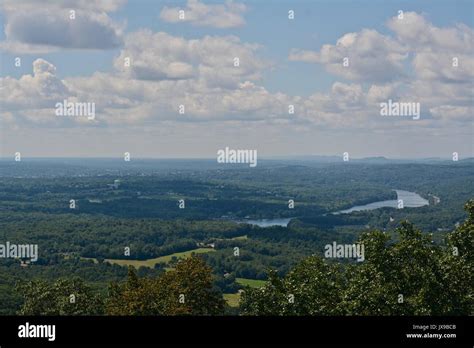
(410, 200)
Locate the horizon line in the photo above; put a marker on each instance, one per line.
(274, 157)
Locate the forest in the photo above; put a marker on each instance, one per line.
(411, 276)
(91, 220)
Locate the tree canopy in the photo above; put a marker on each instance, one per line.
(407, 276)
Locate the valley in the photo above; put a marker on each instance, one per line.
(118, 207)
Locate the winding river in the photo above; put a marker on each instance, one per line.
(410, 200)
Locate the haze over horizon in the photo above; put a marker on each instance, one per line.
(316, 158)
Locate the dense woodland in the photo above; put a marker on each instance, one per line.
(412, 276)
(143, 213)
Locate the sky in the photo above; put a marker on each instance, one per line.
(334, 63)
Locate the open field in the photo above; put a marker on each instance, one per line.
(253, 283)
(232, 299)
(150, 263)
(240, 238)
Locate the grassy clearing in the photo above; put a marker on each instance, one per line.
(152, 262)
(240, 238)
(253, 283)
(232, 299)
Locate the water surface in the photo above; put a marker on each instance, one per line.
(265, 222)
(410, 200)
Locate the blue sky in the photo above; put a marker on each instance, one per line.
(318, 22)
(290, 66)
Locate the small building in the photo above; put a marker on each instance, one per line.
(115, 185)
(24, 263)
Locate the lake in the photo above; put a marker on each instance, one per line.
(265, 222)
(410, 200)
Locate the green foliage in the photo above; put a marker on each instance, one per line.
(63, 297)
(458, 266)
(143, 214)
(403, 278)
(191, 278)
(411, 276)
(313, 284)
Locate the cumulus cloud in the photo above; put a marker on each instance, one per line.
(420, 34)
(438, 53)
(418, 63)
(128, 101)
(381, 93)
(32, 98)
(370, 55)
(450, 113)
(166, 71)
(160, 56)
(30, 28)
(228, 15)
(131, 101)
(444, 54)
(40, 90)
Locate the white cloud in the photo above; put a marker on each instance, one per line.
(449, 67)
(160, 56)
(167, 71)
(40, 90)
(420, 63)
(30, 28)
(371, 57)
(131, 101)
(228, 15)
(451, 114)
(381, 93)
(444, 54)
(31, 99)
(422, 35)
(374, 57)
